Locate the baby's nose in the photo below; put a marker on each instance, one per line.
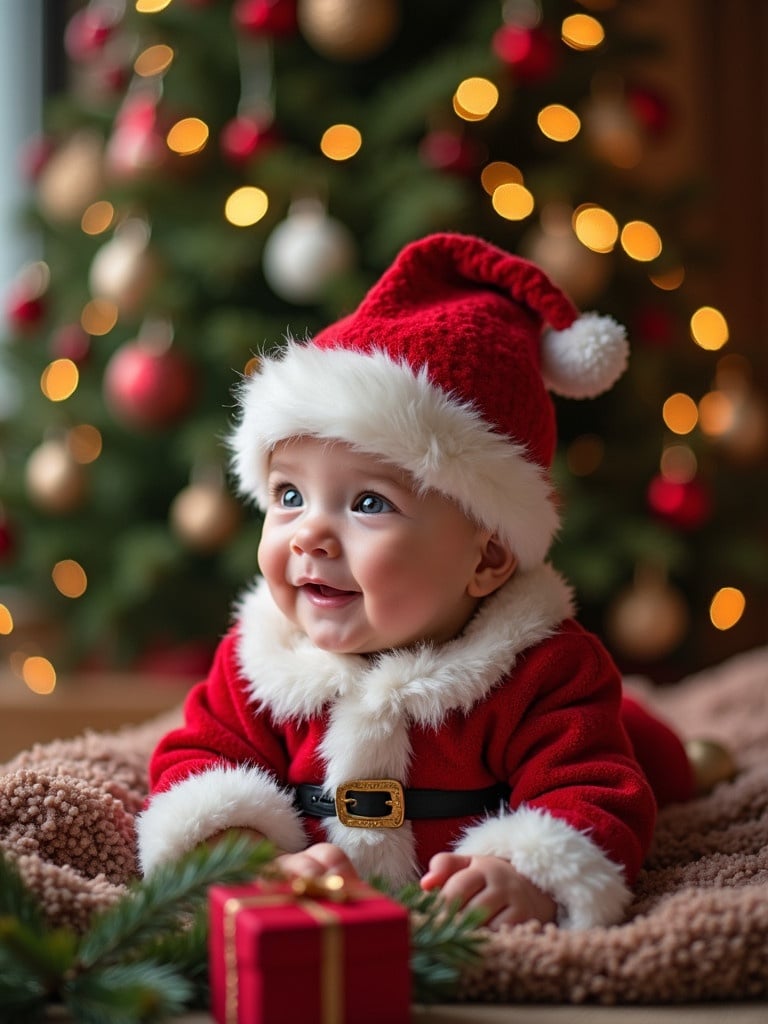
(315, 536)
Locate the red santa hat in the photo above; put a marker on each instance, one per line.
(443, 370)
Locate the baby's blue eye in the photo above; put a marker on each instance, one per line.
(291, 498)
(372, 504)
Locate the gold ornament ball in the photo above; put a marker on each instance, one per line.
(648, 620)
(125, 268)
(348, 29)
(204, 516)
(712, 763)
(55, 481)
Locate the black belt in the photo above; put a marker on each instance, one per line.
(383, 803)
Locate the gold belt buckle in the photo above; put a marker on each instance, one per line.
(396, 801)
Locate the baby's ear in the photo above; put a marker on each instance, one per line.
(497, 563)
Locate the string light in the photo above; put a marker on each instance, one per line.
(84, 443)
(595, 227)
(640, 241)
(188, 136)
(717, 413)
(727, 607)
(475, 98)
(151, 6)
(69, 578)
(97, 217)
(499, 172)
(709, 328)
(246, 206)
(340, 142)
(680, 413)
(39, 674)
(582, 32)
(558, 122)
(668, 280)
(59, 380)
(512, 201)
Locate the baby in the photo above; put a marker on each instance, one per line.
(405, 693)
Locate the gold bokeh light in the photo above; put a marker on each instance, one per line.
(98, 317)
(340, 141)
(558, 122)
(680, 413)
(595, 227)
(475, 98)
(69, 578)
(717, 413)
(640, 241)
(97, 217)
(246, 206)
(709, 328)
(668, 280)
(188, 136)
(39, 674)
(582, 32)
(6, 620)
(59, 380)
(84, 443)
(727, 607)
(499, 172)
(153, 61)
(512, 201)
(151, 6)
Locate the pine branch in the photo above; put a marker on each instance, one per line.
(166, 900)
(137, 993)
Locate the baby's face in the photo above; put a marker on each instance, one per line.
(357, 558)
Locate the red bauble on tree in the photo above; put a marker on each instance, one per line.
(266, 17)
(684, 504)
(450, 151)
(149, 385)
(88, 32)
(7, 539)
(530, 52)
(244, 137)
(25, 305)
(70, 342)
(652, 110)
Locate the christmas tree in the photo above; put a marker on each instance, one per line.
(217, 173)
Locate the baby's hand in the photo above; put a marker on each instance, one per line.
(315, 861)
(490, 884)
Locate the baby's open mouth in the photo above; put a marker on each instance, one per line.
(321, 593)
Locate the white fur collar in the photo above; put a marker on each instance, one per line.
(294, 679)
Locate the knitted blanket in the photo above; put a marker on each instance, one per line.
(696, 930)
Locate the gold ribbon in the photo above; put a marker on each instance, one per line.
(304, 893)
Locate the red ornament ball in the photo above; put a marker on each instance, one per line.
(34, 154)
(23, 311)
(7, 540)
(684, 504)
(87, 32)
(530, 52)
(448, 151)
(244, 137)
(71, 342)
(273, 18)
(652, 110)
(147, 387)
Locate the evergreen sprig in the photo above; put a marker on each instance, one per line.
(145, 959)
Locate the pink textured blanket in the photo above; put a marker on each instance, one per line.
(697, 929)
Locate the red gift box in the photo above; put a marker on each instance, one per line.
(278, 956)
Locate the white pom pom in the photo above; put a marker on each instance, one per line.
(586, 358)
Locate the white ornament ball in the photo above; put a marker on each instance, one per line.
(55, 481)
(351, 30)
(205, 516)
(305, 252)
(124, 269)
(649, 619)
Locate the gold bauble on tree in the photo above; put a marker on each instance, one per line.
(349, 30)
(55, 481)
(648, 620)
(72, 178)
(125, 269)
(204, 515)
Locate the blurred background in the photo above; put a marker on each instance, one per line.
(184, 181)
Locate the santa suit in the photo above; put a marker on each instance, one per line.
(523, 696)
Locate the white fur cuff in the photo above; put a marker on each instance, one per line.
(588, 887)
(192, 811)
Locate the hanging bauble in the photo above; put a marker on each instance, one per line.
(245, 137)
(205, 516)
(70, 341)
(88, 31)
(651, 109)
(349, 30)
(612, 131)
(580, 272)
(34, 154)
(72, 178)
(649, 619)
(712, 763)
(265, 18)
(55, 481)
(305, 252)
(686, 504)
(7, 539)
(125, 268)
(25, 303)
(136, 146)
(452, 151)
(530, 53)
(149, 384)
